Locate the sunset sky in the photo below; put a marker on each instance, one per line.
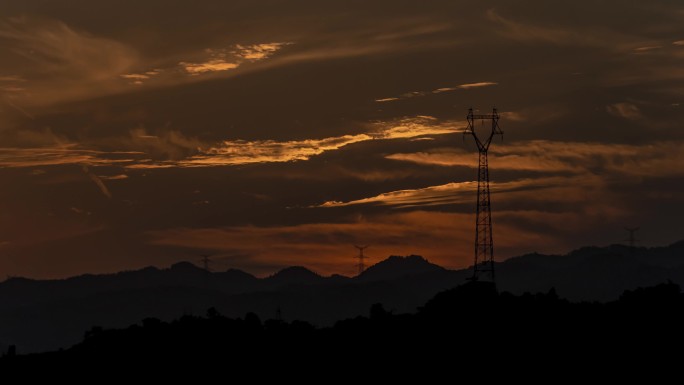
(271, 133)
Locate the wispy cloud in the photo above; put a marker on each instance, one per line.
(237, 152)
(135, 77)
(68, 61)
(590, 36)
(12, 78)
(429, 196)
(173, 149)
(139, 78)
(62, 63)
(113, 177)
(69, 154)
(208, 66)
(414, 94)
(625, 110)
(654, 159)
(647, 48)
(230, 59)
(447, 194)
(11, 85)
(57, 47)
(266, 151)
(464, 87)
(383, 100)
(98, 182)
(257, 51)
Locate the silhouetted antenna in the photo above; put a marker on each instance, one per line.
(206, 261)
(484, 243)
(361, 265)
(631, 239)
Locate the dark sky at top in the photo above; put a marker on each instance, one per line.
(276, 133)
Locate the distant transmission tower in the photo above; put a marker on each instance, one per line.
(206, 261)
(484, 244)
(361, 257)
(631, 239)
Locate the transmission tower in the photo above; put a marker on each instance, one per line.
(361, 257)
(206, 261)
(484, 244)
(631, 239)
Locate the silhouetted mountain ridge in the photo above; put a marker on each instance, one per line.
(46, 314)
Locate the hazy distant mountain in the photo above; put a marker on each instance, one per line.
(39, 315)
(593, 273)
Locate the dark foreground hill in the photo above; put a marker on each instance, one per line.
(45, 315)
(471, 322)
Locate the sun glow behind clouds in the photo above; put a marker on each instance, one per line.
(305, 244)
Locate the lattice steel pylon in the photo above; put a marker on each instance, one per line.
(484, 243)
(361, 265)
(632, 239)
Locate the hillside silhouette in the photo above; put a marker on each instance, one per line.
(41, 315)
(474, 317)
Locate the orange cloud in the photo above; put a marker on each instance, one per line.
(68, 154)
(236, 152)
(224, 60)
(647, 48)
(257, 51)
(655, 159)
(67, 61)
(140, 78)
(383, 100)
(244, 152)
(476, 85)
(554, 188)
(433, 195)
(173, 149)
(208, 66)
(414, 94)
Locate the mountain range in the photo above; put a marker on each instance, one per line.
(39, 315)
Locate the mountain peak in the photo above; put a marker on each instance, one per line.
(397, 266)
(295, 275)
(184, 266)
